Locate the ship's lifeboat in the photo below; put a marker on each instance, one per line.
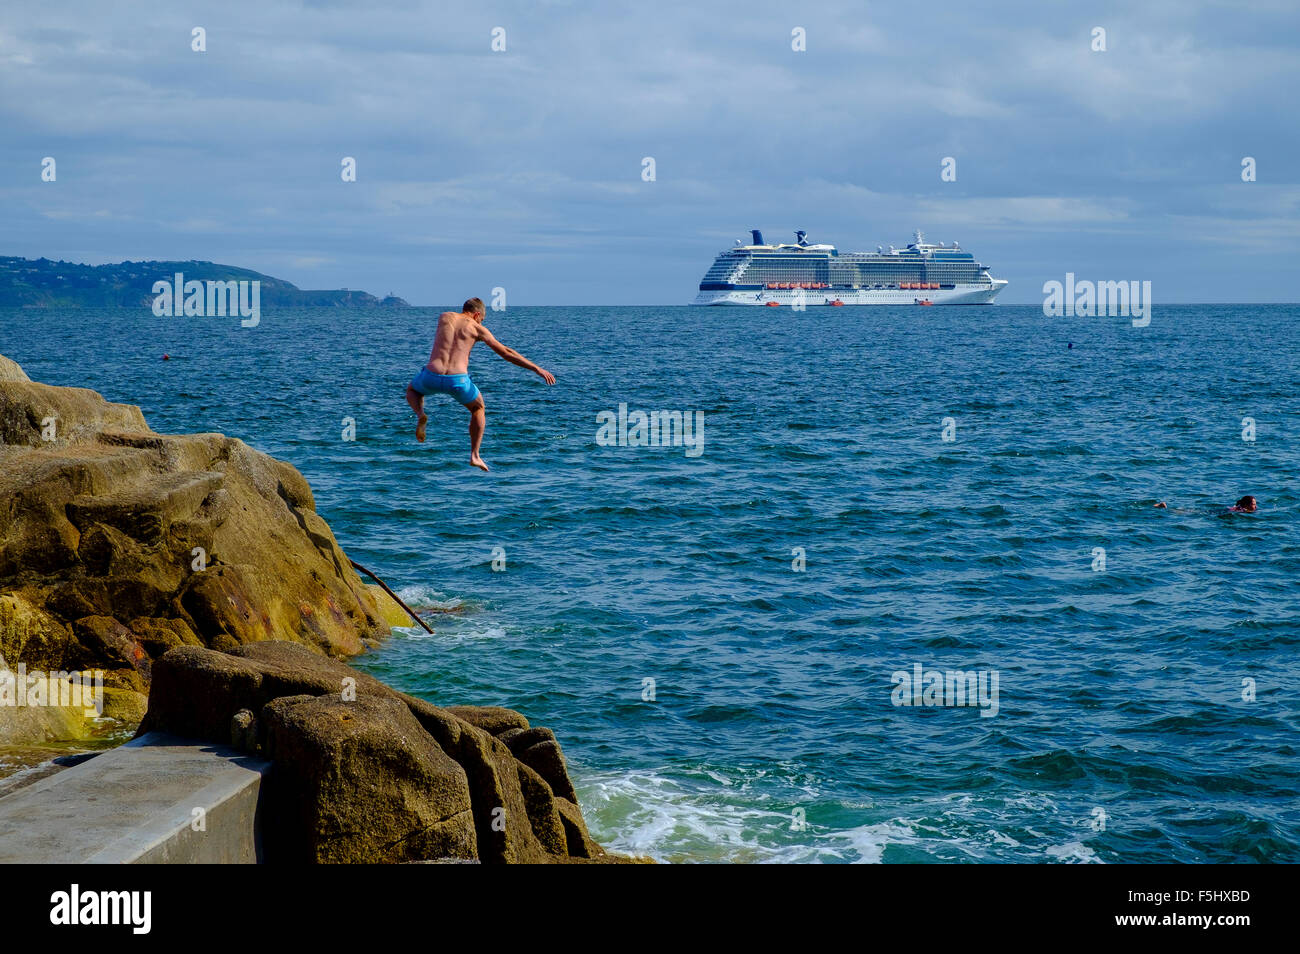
(773, 304)
(934, 284)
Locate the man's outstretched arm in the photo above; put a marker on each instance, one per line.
(514, 357)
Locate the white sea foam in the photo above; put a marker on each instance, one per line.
(470, 635)
(420, 597)
(1074, 853)
(449, 633)
(700, 817)
(648, 814)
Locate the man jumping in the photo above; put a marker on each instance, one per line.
(448, 370)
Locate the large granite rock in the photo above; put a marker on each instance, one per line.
(11, 371)
(117, 544)
(363, 773)
(360, 781)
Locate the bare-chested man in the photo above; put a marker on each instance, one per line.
(448, 370)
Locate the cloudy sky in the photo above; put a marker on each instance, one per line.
(523, 168)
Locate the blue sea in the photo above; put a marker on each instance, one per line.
(714, 637)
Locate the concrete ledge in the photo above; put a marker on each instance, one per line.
(136, 805)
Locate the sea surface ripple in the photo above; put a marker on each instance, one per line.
(1125, 730)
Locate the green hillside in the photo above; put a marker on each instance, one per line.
(41, 283)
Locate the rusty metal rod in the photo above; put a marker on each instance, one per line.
(398, 599)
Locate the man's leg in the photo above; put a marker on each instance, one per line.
(477, 421)
(416, 400)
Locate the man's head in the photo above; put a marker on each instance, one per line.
(474, 307)
(1247, 503)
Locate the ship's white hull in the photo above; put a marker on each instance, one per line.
(981, 294)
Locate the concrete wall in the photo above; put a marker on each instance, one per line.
(137, 804)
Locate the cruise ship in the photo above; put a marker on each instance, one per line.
(807, 274)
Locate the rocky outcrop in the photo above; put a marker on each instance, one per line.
(196, 569)
(360, 781)
(363, 773)
(11, 371)
(118, 544)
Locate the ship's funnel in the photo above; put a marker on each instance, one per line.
(799, 237)
(758, 236)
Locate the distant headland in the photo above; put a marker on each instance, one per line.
(42, 283)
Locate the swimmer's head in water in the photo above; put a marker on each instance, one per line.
(1246, 504)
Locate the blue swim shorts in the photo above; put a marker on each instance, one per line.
(458, 386)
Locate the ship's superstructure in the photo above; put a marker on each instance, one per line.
(810, 274)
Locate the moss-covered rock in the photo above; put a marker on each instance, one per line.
(118, 544)
(390, 611)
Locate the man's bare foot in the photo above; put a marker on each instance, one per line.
(478, 462)
(419, 427)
